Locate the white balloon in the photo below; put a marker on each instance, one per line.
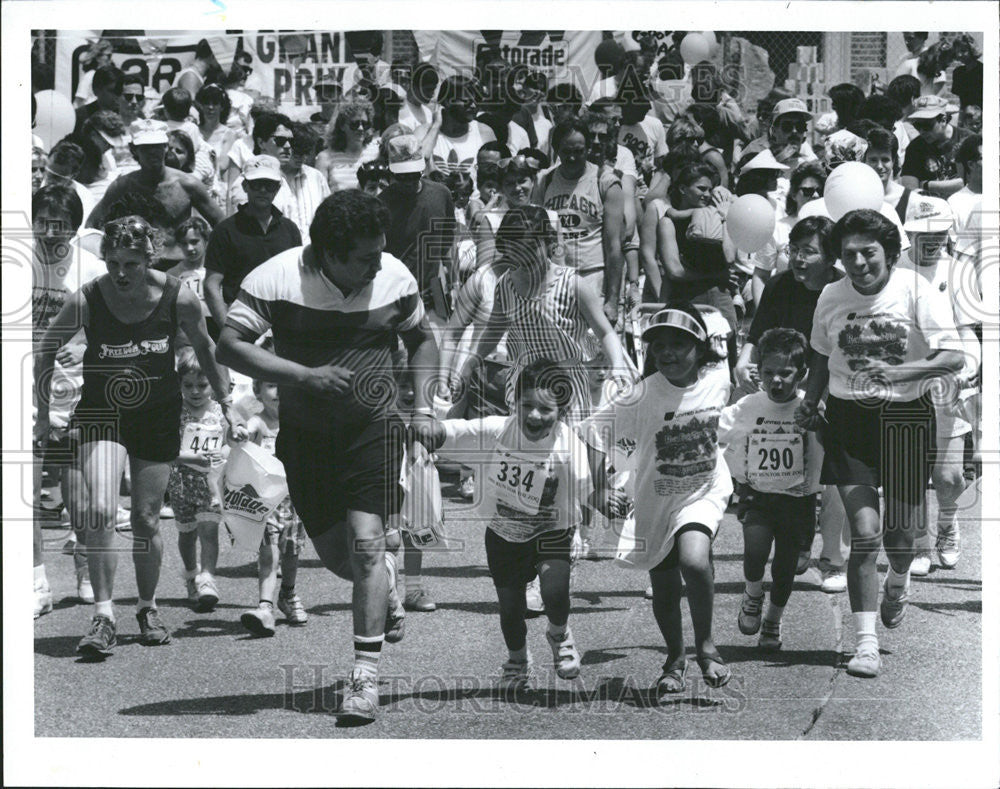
(694, 48)
(852, 185)
(713, 42)
(750, 222)
(54, 117)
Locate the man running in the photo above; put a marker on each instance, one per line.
(335, 308)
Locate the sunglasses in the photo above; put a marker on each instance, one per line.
(281, 141)
(262, 185)
(135, 98)
(789, 126)
(360, 125)
(809, 191)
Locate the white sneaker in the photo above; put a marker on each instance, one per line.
(208, 592)
(834, 580)
(565, 655)
(533, 597)
(921, 565)
(192, 590)
(866, 662)
(467, 488)
(43, 599)
(361, 700)
(949, 551)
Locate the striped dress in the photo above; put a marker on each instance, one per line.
(549, 326)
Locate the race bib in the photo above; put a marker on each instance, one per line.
(518, 481)
(775, 461)
(201, 438)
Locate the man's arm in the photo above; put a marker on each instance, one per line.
(213, 297)
(422, 352)
(202, 200)
(100, 211)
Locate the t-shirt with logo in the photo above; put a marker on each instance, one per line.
(901, 323)
(647, 140)
(527, 487)
(458, 154)
(767, 450)
(930, 161)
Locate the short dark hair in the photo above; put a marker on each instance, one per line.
(546, 375)
(177, 104)
(61, 199)
(968, 150)
(455, 86)
(521, 225)
(883, 110)
(903, 89)
(344, 217)
(822, 228)
(813, 169)
(109, 76)
(567, 127)
(496, 146)
(688, 173)
(195, 223)
(217, 92)
(788, 342)
(866, 222)
(67, 154)
(880, 139)
(564, 93)
(133, 79)
(846, 98)
(265, 125)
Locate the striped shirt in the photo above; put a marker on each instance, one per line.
(548, 326)
(315, 324)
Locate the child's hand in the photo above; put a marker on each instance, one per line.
(238, 433)
(808, 416)
(212, 459)
(618, 504)
(575, 546)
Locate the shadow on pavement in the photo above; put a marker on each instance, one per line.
(322, 700)
(461, 571)
(784, 657)
(966, 606)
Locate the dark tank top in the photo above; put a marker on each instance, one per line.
(130, 366)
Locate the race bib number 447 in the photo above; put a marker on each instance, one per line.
(775, 461)
(518, 481)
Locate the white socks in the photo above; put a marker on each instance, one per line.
(864, 627)
(558, 632)
(40, 578)
(104, 609)
(151, 603)
(897, 581)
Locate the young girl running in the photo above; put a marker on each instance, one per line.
(536, 476)
(682, 484)
(777, 464)
(196, 509)
(284, 535)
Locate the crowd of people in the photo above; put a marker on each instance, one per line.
(535, 283)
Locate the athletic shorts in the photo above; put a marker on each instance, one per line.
(285, 526)
(888, 445)
(514, 564)
(791, 517)
(673, 559)
(191, 499)
(353, 468)
(150, 434)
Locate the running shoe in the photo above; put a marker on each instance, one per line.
(291, 606)
(921, 565)
(749, 618)
(166, 511)
(893, 609)
(152, 631)
(515, 675)
(770, 636)
(208, 593)
(533, 597)
(101, 637)
(866, 662)
(419, 600)
(84, 590)
(467, 488)
(192, 590)
(360, 702)
(949, 551)
(834, 580)
(43, 599)
(259, 621)
(564, 655)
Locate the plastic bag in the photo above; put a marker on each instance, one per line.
(250, 487)
(421, 515)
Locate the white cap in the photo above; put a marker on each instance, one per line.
(927, 214)
(148, 132)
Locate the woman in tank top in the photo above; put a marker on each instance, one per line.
(129, 409)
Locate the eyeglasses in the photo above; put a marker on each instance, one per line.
(809, 191)
(789, 126)
(262, 185)
(136, 98)
(281, 141)
(360, 125)
(802, 252)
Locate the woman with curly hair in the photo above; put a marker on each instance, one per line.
(349, 143)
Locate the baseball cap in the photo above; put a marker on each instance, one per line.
(930, 107)
(672, 319)
(790, 107)
(148, 132)
(763, 161)
(262, 167)
(927, 214)
(405, 155)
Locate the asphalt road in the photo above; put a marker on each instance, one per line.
(215, 680)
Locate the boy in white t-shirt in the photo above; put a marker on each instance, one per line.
(777, 465)
(535, 477)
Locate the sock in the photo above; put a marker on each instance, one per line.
(190, 575)
(104, 609)
(518, 655)
(773, 613)
(897, 581)
(265, 604)
(367, 651)
(755, 588)
(151, 603)
(558, 632)
(864, 626)
(40, 578)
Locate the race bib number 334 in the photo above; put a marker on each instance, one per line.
(518, 481)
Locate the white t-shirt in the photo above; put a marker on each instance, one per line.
(681, 475)
(963, 203)
(415, 115)
(527, 487)
(901, 323)
(767, 450)
(517, 138)
(458, 154)
(647, 140)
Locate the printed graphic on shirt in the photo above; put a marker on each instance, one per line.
(869, 338)
(572, 210)
(452, 164)
(46, 303)
(132, 349)
(686, 450)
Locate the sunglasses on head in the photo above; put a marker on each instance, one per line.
(519, 162)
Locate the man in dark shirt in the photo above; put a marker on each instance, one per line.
(109, 84)
(930, 158)
(256, 232)
(421, 227)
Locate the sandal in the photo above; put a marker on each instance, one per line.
(673, 679)
(719, 678)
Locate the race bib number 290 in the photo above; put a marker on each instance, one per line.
(518, 481)
(775, 461)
